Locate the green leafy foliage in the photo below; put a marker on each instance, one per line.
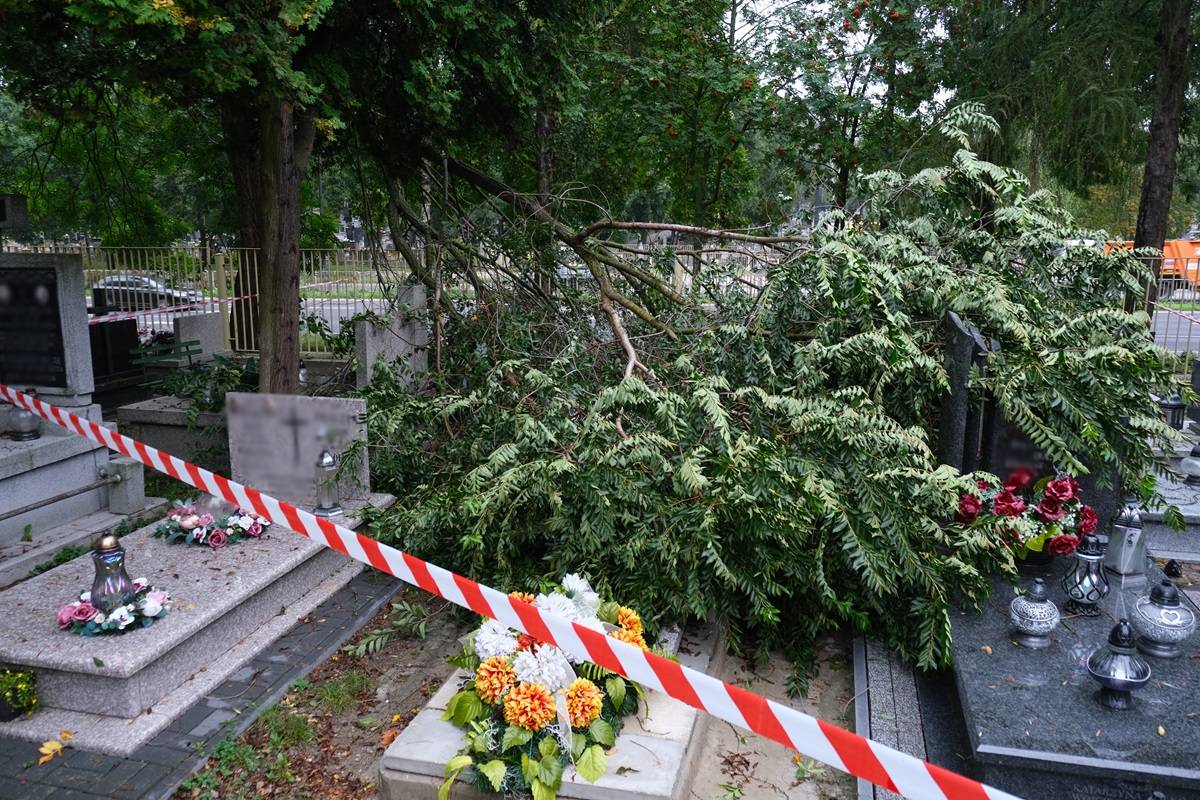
(778, 468)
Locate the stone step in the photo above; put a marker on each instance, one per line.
(18, 558)
(652, 759)
(220, 599)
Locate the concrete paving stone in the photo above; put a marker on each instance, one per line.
(213, 723)
(71, 778)
(145, 779)
(92, 762)
(123, 772)
(189, 719)
(160, 755)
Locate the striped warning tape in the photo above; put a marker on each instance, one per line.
(861, 757)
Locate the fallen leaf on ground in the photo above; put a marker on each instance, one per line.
(1162, 731)
(66, 736)
(388, 737)
(987, 649)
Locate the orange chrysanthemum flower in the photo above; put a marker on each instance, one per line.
(621, 634)
(529, 706)
(524, 597)
(493, 678)
(525, 641)
(584, 702)
(630, 620)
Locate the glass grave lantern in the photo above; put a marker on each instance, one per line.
(328, 502)
(1173, 410)
(1085, 583)
(112, 587)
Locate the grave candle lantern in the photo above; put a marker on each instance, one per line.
(1085, 583)
(25, 426)
(1162, 621)
(112, 587)
(1173, 408)
(328, 504)
(1033, 617)
(1190, 466)
(1126, 554)
(1118, 669)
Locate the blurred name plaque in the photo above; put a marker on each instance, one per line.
(31, 336)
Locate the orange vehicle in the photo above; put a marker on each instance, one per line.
(1180, 265)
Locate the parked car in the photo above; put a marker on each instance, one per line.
(133, 292)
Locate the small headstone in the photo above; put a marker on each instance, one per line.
(961, 419)
(401, 341)
(275, 439)
(207, 329)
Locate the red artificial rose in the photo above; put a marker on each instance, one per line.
(1008, 504)
(1061, 489)
(983, 485)
(969, 507)
(1020, 479)
(1050, 510)
(84, 612)
(217, 539)
(1062, 545)
(1088, 521)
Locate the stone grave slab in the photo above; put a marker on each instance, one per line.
(1035, 729)
(116, 692)
(651, 760)
(207, 329)
(274, 442)
(162, 422)
(402, 340)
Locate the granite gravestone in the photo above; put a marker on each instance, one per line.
(275, 439)
(44, 341)
(402, 340)
(1035, 727)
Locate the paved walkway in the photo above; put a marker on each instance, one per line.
(154, 771)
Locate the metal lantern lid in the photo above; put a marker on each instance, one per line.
(1091, 547)
(326, 460)
(1190, 465)
(1130, 517)
(106, 544)
(1174, 400)
(1165, 594)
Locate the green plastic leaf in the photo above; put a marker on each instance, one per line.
(458, 764)
(541, 791)
(608, 612)
(529, 768)
(514, 737)
(494, 771)
(548, 746)
(602, 733)
(616, 692)
(550, 771)
(592, 764)
(578, 743)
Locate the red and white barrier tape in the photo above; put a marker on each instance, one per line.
(201, 305)
(837, 747)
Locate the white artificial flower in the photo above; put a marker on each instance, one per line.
(494, 639)
(244, 522)
(149, 608)
(85, 597)
(122, 617)
(594, 623)
(576, 587)
(99, 618)
(557, 603)
(139, 584)
(548, 666)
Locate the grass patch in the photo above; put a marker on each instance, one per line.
(285, 728)
(342, 692)
(61, 557)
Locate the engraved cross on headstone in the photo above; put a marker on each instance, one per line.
(295, 422)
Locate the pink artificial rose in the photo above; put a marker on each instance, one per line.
(1061, 489)
(217, 538)
(969, 507)
(157, 597)
(1088, 520)
(1019, 479)
(1008, 504)
(983, 485)
(1062, 545)
(139, 584)
(66, 614)
(83, 612)
(255, 529)
(189, 522)
(206, 519)
(1050, 510)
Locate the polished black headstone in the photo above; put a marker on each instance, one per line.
(31, 338)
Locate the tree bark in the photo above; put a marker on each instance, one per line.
(240, 126)
(1170, 85)
(285, 145)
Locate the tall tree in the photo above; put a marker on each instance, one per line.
(1170, 87)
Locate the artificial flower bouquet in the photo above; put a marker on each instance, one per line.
(528, 711)
(1043, 515)
(185, 524)
(146, 606)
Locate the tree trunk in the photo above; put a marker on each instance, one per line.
(240, 125)
(1170, 85)
(285, 145)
